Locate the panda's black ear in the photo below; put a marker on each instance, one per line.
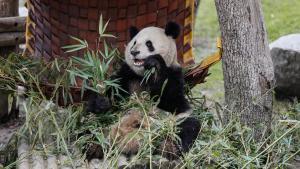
(172, 29)
(133, 31)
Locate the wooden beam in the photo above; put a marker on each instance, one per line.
(11, 38)
(12, 24)
(8, 8)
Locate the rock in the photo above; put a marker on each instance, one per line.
(285, 54)
(7, 132)
(23, 155)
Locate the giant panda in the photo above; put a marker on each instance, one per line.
(149, 48)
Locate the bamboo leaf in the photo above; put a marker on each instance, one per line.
(56, 64)
(21, 77)
(105, 50)
(82, 42)
(100, 25)
(82, 89)
(108, 36)
(74, 48)
(81, 61)
(104, 28)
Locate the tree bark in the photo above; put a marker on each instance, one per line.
(247, 65)
(8, 8)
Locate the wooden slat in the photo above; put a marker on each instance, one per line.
(12, 24)
(56, 20)
(11, 38)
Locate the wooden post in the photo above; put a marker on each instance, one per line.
(12, 31)
(11, 38)
(8, 8)
(12, 24)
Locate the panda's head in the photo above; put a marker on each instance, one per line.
(150, 41)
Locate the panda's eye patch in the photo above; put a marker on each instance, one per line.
(134, 43)
(150, 46)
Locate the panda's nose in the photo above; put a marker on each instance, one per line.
(134, 53)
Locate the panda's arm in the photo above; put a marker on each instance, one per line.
(172, 97)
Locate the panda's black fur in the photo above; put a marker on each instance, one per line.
(172, 29)
(168, 83)
(172, 98)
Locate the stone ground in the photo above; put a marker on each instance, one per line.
(7, 130)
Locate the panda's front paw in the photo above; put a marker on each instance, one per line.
(98, 104)
(155, 61)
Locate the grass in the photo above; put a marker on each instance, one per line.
(281, 18)
(51, 130)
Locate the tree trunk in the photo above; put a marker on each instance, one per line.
(247, 65)
(8, 8)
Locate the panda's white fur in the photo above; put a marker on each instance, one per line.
(163, 44)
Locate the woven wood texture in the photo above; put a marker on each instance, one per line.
(51, 22)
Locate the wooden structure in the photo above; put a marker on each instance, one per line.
(12, 31)
(51, 22)
(8, 35)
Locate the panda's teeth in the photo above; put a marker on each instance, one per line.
(138, 62)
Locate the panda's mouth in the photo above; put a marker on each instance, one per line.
(138, 62)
